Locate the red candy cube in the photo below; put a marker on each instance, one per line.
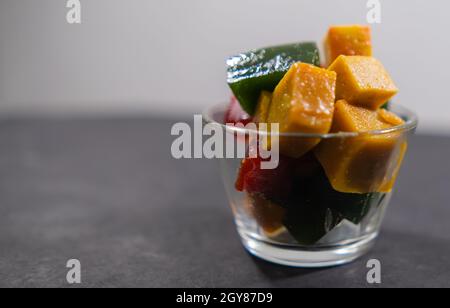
(274, 184)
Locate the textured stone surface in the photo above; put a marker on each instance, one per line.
(108, 193)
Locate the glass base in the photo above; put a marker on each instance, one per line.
(308, 258)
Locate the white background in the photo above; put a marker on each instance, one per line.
(166, 57)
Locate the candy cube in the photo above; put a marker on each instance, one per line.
(303, 102)
(262, 109)
(348, 41)
(365, 163)
(362, 81)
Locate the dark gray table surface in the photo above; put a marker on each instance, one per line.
(108, 193)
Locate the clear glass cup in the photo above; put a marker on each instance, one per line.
(307, 222)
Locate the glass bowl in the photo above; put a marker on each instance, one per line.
(322, 209)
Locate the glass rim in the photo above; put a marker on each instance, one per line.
(410, 118)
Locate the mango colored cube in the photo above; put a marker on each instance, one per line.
(303, 102)
(268, 214)
(365, 163)
(262, 108)
(362, 81)
(352, 40)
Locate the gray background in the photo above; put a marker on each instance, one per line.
(167, 56)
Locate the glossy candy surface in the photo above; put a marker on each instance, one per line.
(363, 81)
(262, 69)
(354, 40)
(365, 163)
(262, 109)
(303, 102)
(325, 181)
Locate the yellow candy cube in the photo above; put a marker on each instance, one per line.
(352, 40)
(262, 109)
(303, 102)
(268, 214)
(366, 163)
(363, 81)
